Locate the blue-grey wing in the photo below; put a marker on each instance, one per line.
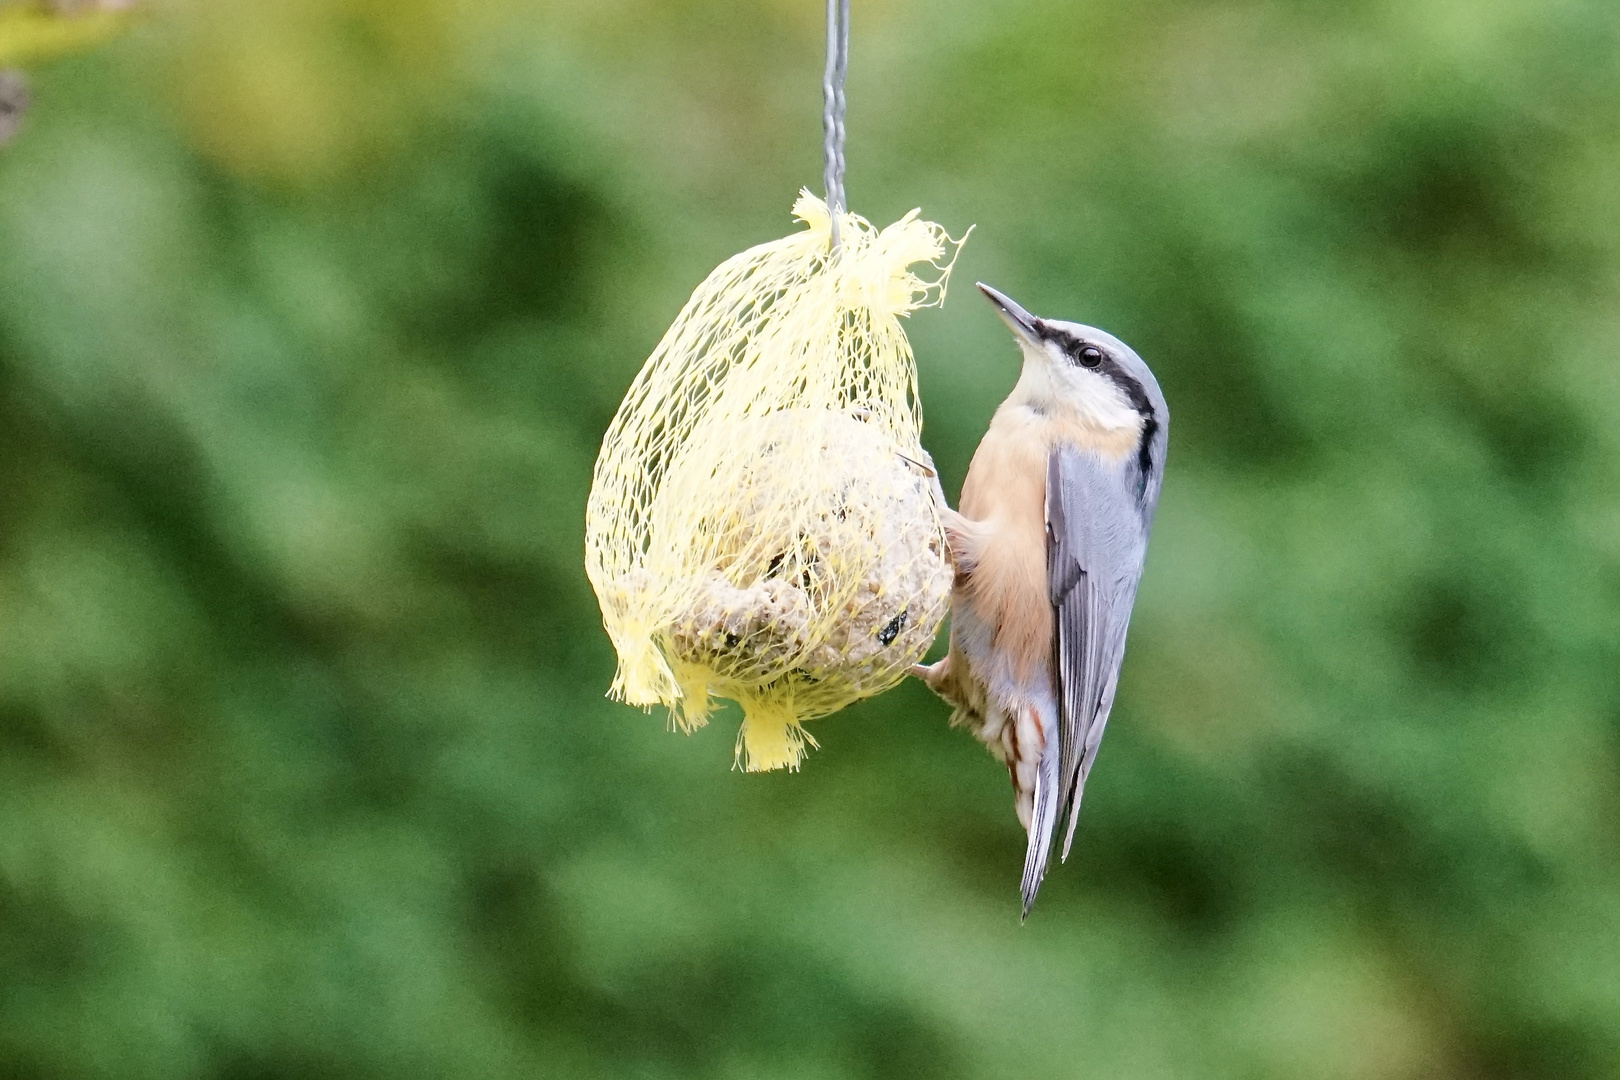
(1096, 540)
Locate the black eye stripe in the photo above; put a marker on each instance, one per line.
(1107, 366)
(1133, 390)
(1065, 340)
(1074, 348)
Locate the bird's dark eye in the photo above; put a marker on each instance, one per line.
(1090, 356)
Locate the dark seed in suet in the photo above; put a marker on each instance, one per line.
(892, 631)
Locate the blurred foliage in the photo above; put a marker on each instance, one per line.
(31, 32)
(312, 313)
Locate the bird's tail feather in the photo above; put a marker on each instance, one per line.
(1073, 815)
(1042, 821)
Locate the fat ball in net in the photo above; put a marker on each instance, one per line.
(763, 524)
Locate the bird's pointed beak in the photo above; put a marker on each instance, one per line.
(1024, 325)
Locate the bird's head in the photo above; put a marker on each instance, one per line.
(1079, 372)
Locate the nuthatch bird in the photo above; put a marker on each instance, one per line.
(1048, 548)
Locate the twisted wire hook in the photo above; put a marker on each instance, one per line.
(832, 112)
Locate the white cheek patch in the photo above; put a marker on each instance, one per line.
(1053, 384)
(1097, 398)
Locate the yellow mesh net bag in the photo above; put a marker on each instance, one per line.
(762, 524)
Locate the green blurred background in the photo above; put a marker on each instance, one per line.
(313, 312)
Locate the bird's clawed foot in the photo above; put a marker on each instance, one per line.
(935, 676)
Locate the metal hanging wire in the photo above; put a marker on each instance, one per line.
(832, 109)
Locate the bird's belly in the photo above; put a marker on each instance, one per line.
(1009, 707)
(1003, 604)
(1007, 614)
